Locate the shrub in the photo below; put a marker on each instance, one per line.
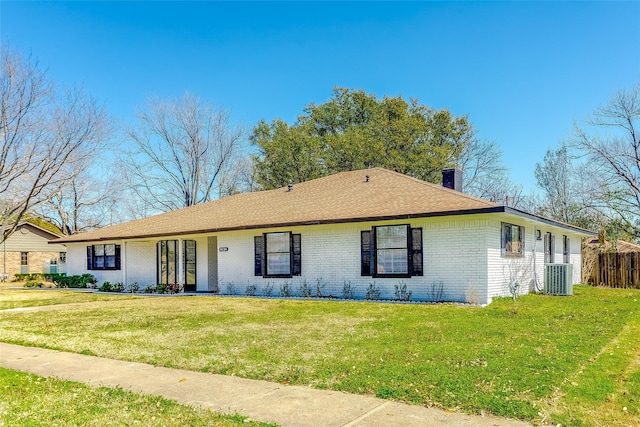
(28, 277)
(82, 281)
(117, 287)
(106, 287)
(319, 287)
(251, 290)
(305, 289)
(174, 288)
(161, 288)
(401, 292)
(150, 289)
(285, 290)
(133, 288)
(347, 290)
(373, 292)
(231, 288)
(33, 284)
(436, 291)
(267, 290)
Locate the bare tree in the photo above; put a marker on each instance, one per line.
(184, 153)
(46, 137)
(485, 176)
(568, 194)
(82, 203)
(555, 177)
(614, 157)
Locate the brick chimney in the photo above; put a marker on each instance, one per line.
(452, 178)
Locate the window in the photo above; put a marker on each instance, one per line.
(277, 255)
(391, 251)
(512, 240)
(549, 248)
(63, 257)
(189, 265)
(167, 273)
(103, 257)
(566, 250)
(24, 258)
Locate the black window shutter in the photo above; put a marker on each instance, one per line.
(366, 248)
(117, 257)
(89, 257)
(416, 252)
(258, 242)
(296, 255)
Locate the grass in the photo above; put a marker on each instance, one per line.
(31, 400)
(24, 298)
(570, 360)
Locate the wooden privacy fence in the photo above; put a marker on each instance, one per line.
(617, 270)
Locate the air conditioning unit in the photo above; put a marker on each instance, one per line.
(558, 279)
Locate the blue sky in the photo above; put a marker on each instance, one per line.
(523, 72)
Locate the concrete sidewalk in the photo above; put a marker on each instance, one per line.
(259, 400)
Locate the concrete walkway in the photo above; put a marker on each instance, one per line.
(259, 400)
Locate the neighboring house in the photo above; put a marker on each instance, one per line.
(359, 228)
(28, 250)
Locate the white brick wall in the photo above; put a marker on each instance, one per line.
(140, 265)
(461, 253)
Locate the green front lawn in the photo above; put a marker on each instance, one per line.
(24, 298)
(30, 400)
(573, 360)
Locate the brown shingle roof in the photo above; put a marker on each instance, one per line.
(343, 197)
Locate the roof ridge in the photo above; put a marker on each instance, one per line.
(438, 187)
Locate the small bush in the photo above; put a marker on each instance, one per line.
(161, 288)
(401, 292)
(33, 284)
(319, 287)
(77, 281)
(251, 290)
(174, 288)
(133, 288)
(436, 291)
(267, 290)
(285, 290)
(117, 287)
(347, 290)
(373, 292)
(305, 289)
(230, 288)
(150, 289)
(28, 277)
(106, 287)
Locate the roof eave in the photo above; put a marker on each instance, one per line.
(476, 211)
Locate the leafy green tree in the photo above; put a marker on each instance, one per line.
(356, 130)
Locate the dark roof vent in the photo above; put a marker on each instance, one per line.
(290, 187)
(366, 178)
(452, 178)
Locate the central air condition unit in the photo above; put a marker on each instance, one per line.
(558, 279)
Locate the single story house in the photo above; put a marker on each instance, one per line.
(27, 250)
(351, 231)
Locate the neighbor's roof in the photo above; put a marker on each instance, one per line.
(339, 198)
